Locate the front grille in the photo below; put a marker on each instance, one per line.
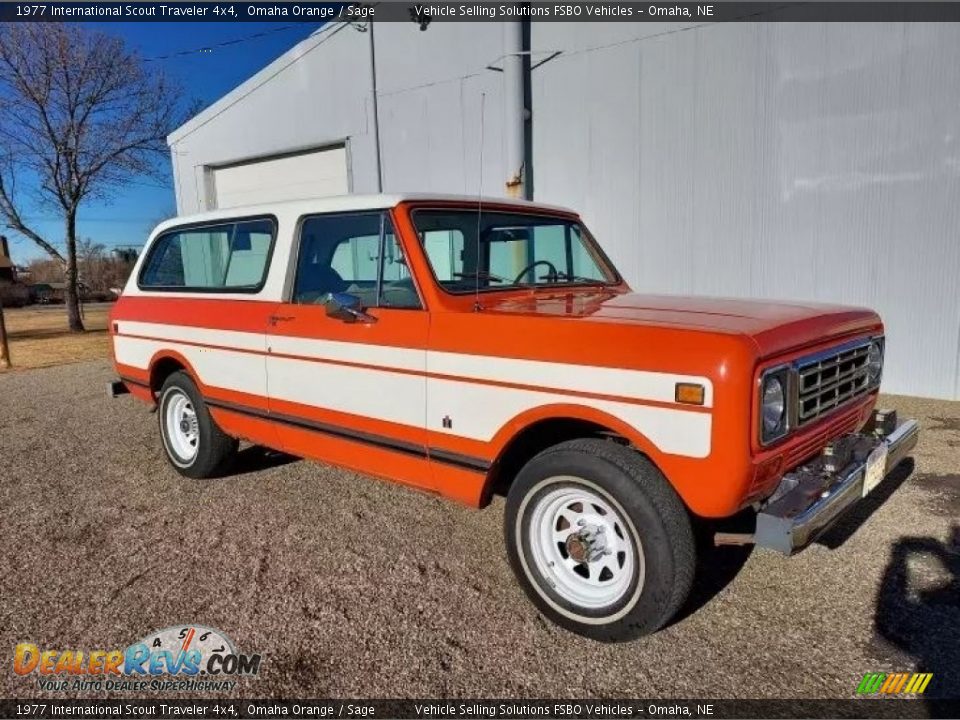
(844, 423)
(830, 380)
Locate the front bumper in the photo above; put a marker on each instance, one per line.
(810, 498)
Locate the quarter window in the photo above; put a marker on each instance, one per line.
(231, 257)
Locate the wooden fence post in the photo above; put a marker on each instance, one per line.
(4, 346)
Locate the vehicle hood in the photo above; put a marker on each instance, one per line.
(775, 326)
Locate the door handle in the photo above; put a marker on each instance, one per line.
(274, 319)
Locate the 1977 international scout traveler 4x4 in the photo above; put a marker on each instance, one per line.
(462, 347)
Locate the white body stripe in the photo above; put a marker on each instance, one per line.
(478, 410)
(359, 391)
(636, 384)
(227, 369)
(382, 355)
(226, 338)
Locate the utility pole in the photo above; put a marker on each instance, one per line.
(376, 114)
(514, 113)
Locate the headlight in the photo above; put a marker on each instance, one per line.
(773, 405)
(875, 361)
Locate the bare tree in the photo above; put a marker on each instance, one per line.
(89, 251)
(80, 116)
(101, 271)
(45, 270)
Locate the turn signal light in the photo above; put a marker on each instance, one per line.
(689, 394)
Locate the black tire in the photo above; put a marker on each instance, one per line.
(658, 524)
(215, 450)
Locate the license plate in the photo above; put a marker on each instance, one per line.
(876, 468)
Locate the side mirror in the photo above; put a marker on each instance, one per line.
(347, 307)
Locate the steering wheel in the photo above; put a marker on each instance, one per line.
(531, 266)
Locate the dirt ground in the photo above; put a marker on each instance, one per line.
(39, 336)
(351, 587)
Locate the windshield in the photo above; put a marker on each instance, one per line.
(505, 250)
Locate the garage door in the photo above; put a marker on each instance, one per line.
(319, 173)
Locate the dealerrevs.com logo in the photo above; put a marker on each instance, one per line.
(182, 657)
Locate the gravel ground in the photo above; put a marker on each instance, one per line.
(350, 587)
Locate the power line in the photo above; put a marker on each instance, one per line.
(224, 43)
(58, 218)
(150, 184)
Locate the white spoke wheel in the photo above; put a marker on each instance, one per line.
(599, 540)
(182, 426)
(581, 544)
(195, 445)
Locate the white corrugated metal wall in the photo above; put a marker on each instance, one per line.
(815, 161)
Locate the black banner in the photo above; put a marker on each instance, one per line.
(481, 709)
(427, 12)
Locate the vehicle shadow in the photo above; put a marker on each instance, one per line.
(918, 613)
(852, 520)
(256, 458)
(717, 566)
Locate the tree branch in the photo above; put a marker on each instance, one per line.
(9, 212)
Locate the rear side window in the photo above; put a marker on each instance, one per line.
(227, 257)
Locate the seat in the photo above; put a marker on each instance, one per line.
(317, 280)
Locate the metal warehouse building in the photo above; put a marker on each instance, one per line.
(812, 161)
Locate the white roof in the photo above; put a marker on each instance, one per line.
(346, 203)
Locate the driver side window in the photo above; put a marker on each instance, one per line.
(347, 254)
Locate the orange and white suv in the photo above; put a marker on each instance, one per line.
(464, 347)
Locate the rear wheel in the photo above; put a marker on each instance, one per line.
(194, 443)
(599, 540)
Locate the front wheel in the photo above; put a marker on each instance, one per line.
(194, 443)
(599, 540)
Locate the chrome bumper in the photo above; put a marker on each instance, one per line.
(810, 498)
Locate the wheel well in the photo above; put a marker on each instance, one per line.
(161, 370)
(535, 439)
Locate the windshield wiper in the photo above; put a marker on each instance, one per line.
(480, 275)
(560, 275)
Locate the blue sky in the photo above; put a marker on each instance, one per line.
(205, 76)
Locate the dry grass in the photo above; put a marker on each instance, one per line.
(39, 336)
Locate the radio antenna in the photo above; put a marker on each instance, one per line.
(477, 307)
